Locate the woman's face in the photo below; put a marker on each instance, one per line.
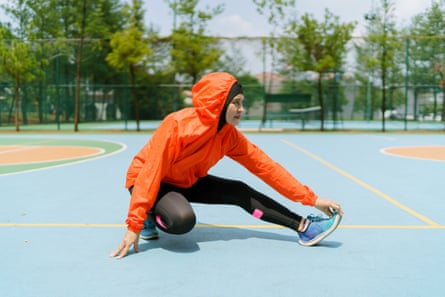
(235, 110)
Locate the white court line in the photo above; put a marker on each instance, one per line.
(99, 151)
(17, 149)
(209, 226)
(365, 185)
(386, 152)
(123, 148)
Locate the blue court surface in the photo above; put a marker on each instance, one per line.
(60, 221)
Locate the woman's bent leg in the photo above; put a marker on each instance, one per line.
(174, 214)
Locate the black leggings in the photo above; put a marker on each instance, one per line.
(174, 214)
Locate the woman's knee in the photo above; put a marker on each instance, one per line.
(174, 214)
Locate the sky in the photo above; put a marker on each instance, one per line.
(240, 17)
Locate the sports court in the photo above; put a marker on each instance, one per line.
(62, 215)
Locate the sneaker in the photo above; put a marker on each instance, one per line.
(318, 229)
(149, 231)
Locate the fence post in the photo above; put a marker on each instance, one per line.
(406, 82)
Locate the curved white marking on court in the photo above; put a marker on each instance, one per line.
(383, 151)
(100, 151)
(123, 147)
(16, 148)
(363, 184)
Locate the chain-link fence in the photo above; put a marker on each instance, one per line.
(350, 97)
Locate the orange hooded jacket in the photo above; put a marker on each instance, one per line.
(187, 144)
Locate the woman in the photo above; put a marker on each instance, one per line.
(171, 171)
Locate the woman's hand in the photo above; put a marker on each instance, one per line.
(327, 206)
(130, 239)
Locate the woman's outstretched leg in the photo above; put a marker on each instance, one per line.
(216, 190)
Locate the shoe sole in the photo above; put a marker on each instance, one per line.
(323, 235)
(150, 237)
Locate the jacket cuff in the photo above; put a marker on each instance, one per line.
(134, 226)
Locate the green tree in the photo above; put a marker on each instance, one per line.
(90, 24)
(364, 74)
(276, 12)
(78, 30)
(192, 51)
(367, 73)
(130, 49)
(380, 51)
(426, 52)
(20, 56)
(232, 61)
(41, 20)
(17, 59)
(253, 90)
(316, 46)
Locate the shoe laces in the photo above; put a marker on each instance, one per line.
(315, 218)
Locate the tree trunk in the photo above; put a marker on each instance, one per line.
(264, 116)
(135, 97)
(17, 105)
(383, 77)
(442, 83)
(79, 60)
(321, 101)
(24, 105)
(383, 100)
(40, 108)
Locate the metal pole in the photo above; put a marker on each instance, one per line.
(174, 15)
(57, 92)
(406, 82)
(368, 99)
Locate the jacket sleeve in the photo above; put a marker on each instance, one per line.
(272, 173)
(154, 159)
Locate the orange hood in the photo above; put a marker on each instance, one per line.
(211, 95)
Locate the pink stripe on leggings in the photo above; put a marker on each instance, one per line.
(257, 213)
(160, 222)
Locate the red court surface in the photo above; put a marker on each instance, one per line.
(59, 224)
